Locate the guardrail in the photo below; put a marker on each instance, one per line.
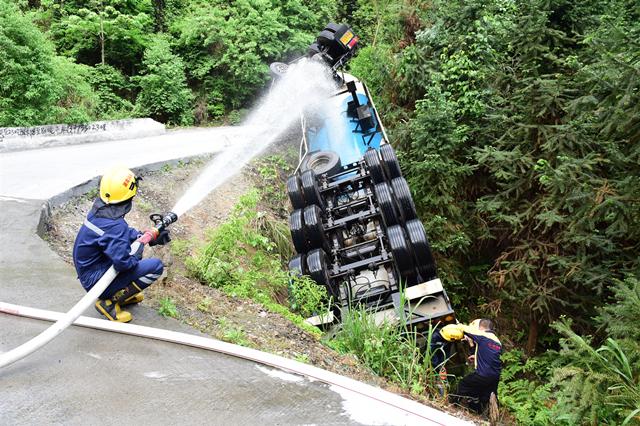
(25, 138)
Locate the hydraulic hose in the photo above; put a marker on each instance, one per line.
(89, 299)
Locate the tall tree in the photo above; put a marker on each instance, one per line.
(164, 94)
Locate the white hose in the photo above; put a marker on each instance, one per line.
(59, 326)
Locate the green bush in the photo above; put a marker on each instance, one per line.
(239, 259)
(113, 92)
(168, 308)
(164, 95)
(307, 297)
(602, 385)
(28, 85)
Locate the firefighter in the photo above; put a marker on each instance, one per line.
(104, 239)
(475, 389)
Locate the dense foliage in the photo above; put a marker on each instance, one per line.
(519, 128)
(178, 61)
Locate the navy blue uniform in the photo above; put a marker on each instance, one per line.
(104, 240)
(475, 388)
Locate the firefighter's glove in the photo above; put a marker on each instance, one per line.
(162, 239)
(138, 252)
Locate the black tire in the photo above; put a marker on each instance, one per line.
(294, 189)
(372, 161)
(386, 203)
(322, 162)
(313, 227)
(403, 197)
(298, 265)
(296, 226)
(425, 263)
(313, 49)
(401, 253)
(325, 38)
(390, 161)
(278, 69)
(319, 271)
(332, 26)
(310, 188)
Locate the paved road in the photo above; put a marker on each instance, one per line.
(89, 377)
(40, 174)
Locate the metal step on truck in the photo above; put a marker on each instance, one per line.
(354, 223)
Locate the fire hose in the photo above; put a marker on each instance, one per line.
(160, 224)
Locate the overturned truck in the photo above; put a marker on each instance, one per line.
(354, 224)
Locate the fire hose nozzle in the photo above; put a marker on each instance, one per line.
(162, 221)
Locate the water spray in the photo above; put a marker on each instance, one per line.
(160, 221)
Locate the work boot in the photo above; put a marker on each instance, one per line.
(112, 311)
(136, 298)
(129, 295)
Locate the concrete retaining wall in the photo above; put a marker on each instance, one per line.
(24, 138)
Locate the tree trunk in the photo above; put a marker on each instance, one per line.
(532, 340)
(158, 12)
(101, 39)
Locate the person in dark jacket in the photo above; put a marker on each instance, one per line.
(104, 239)
(475, 389)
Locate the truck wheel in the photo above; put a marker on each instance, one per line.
(313, 227)
(322, 162)
(297, 231)
(310, 188)
(401, 254)
(387, 206)
(325, 38)
(313, 49)
(372, 161)
(403, 197)
(278, 69)
(319, 271)
(426, 264)
(390, 161)
(298, 265)
(295, 192)
(332, 26)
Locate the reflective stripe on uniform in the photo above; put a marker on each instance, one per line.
(145, 280)
(94, 228)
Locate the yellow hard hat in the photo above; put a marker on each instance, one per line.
(475, 323)
(117, 185)
(452, 333)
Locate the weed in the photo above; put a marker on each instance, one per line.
(232, 334)
(203, 305)
(391, 350)
(306, 297)
(144, 205)
(167, 308)
(304, 358)
(236, 336)
(179, 248)
(166, 168)
(239, 259)
(272, 172)
(92, 194)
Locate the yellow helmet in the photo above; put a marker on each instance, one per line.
(117, 185)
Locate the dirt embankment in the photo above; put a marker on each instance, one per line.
(205, 308)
